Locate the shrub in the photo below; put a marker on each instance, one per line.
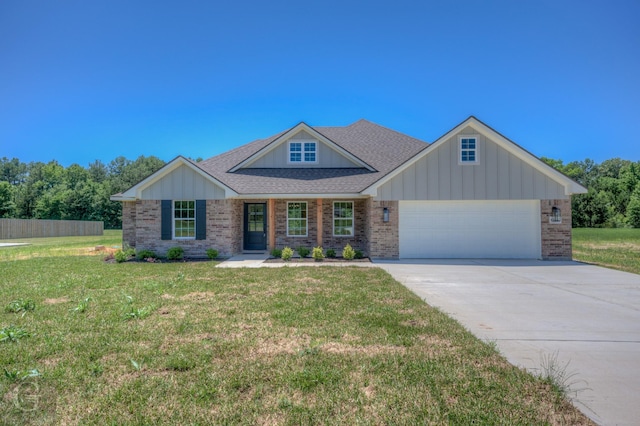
(175, 253)
(331, 253)
(358, 254)
(303, 251)
(287, 253)
(212, 253)
(130, 252)
(348, 253)
(276, 252)
(145, 254)
(120, 256)
(317, 254)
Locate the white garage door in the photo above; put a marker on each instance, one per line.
(470, 229)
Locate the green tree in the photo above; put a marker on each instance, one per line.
(7, 205)
(633, 209)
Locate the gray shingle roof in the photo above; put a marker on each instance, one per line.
(381, 148)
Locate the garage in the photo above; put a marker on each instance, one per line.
(499, 229)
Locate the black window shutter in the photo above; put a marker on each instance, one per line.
(201, 219)
(166, 219)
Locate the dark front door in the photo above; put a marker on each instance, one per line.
(255, 226)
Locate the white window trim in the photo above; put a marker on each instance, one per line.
(353, 219)
(306, 233)
(302, 142)
(173, 220)
(477, 150)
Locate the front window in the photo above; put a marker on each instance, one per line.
(343, 218)
(297, 219)
(184, 219)
(303, 152)
(468, 150)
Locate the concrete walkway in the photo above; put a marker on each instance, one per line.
(13, 244)
(258, 261)
(245, 261)
(588, 316)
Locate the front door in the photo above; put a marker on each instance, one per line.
(255, 226)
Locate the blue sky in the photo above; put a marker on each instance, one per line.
(86, 80)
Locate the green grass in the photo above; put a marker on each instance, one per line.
(617, 248)
(187, 343)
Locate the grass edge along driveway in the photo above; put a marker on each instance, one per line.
(187, 343)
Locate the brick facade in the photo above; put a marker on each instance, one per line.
(383, 237)
(556, 237)
(129, 224)
(142, 225)
(358, 241)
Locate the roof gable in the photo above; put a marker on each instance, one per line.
(301, 131)
(136, 191)
(570, 186)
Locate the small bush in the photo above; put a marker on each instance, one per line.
(130, 252)
(145, 254)
(120, 256)
(303, 251)
(21, 305)
(317, 254)
(331, 253)
(175, 253)
(348, 253)
(358, 254)
(276, 252)
(212, 253)
(287, 254)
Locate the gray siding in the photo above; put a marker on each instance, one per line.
(499, 176)
(183, 184)
(327, 157)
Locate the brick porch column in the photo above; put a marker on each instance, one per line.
(271, 223)
(319, 222)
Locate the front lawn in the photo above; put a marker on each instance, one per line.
(187, 343)
(617, 248)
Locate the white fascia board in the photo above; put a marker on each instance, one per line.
(298, 196)
(570, 186)
(291, 132)
(135, 192)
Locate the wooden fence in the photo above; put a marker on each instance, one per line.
(35, 228)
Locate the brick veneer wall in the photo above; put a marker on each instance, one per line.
(556, 237)
(129, 224)
(358, 241)
(142, 225)
(383, 237)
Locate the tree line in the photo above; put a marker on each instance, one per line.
(613, 199)
(40, 190)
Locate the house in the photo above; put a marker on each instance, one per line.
(472, 193)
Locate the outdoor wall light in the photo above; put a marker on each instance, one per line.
(385, 214)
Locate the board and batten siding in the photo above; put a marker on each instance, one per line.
(183, 184)
(499, 175)
(278, 157)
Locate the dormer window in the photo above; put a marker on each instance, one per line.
(468, 150)
(303, 152)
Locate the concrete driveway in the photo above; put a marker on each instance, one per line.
(587, 315)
